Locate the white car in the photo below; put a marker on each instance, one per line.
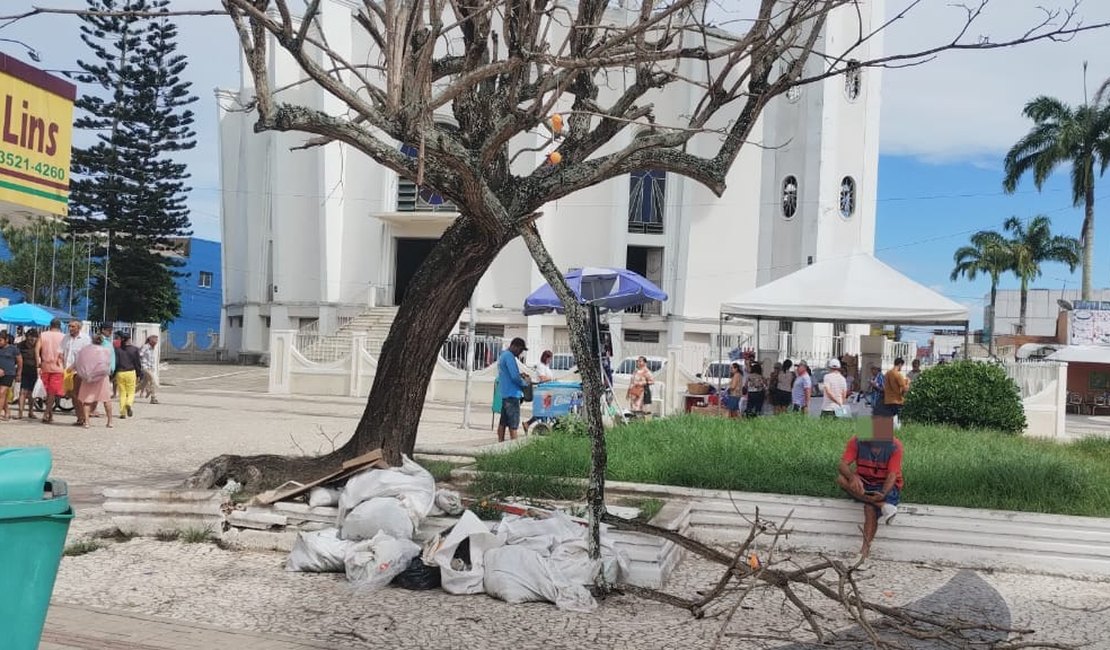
(627, 365)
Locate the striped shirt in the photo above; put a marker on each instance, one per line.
(875, 459)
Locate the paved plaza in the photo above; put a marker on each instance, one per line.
(145, 594)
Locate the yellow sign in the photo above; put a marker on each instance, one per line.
(36, 136)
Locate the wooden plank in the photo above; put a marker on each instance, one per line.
(349, 467)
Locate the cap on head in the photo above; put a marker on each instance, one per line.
(105, 326)
(834, 364)
(519, 344)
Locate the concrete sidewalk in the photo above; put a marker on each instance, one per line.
(70, 627)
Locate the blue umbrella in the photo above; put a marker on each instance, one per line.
(28, 314)
(604, 288)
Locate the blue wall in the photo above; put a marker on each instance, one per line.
(200, 306)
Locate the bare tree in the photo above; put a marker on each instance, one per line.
(547, 97)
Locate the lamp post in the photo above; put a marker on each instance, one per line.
(31, 52)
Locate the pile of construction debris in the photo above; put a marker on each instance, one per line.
(379, 539)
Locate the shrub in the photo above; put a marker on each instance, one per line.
(966, 394)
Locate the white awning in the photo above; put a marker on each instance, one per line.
(1082, 354)
(855, 289)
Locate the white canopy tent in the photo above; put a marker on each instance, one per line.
(1082, 354)
(855, 288)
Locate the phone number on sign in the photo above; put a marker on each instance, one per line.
(16, 161)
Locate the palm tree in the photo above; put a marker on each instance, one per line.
(1033, 244)
(988, 254)
(1061, 135)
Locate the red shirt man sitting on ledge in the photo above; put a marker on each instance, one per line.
(876, 481)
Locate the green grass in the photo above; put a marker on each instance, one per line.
(196, 535)
(167, 535)
(509, 483)
(794, 455)
(648, 507)
(439, 469)
(82, 547)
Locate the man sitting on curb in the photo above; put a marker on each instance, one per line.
(876, 481)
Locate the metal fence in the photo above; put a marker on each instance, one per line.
(486, 350)
(1031, 376)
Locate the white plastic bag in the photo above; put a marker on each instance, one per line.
(380, 515)
(323, 497)
(467, 578)
(40, 390)
(320, 551)
(567, 544)
(411, 484)
(517, 574)
(447, 502)
(372, 564)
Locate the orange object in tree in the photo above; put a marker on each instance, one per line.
(556, 123)
(554, 158)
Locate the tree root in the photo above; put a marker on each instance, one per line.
(264, 472)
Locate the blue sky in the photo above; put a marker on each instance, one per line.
(945, 125)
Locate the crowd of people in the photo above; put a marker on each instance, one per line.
(92, 371)
(790, 388)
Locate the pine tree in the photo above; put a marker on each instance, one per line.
(128, 187)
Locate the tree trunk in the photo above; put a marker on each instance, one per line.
(436, 296)
(1024, 304)
(589, 366)
(1088, 238)
(994, 301)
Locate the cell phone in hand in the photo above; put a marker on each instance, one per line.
(872, 493)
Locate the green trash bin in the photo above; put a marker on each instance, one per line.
(34, 520)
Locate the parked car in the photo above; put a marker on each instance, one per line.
(628, 365)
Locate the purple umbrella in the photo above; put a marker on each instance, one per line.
(600, 287)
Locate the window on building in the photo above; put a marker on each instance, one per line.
(641, 336)
(647, 199)
(847, 197)
(414, 198)
(853, 79)
(487, 329)
(789, 196)
(204, 280)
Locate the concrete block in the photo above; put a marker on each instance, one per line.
(259, 540)
(258, 519)
(151, 494)
(163, 508)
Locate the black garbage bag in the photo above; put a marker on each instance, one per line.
(418, 576)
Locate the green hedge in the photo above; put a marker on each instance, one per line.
(966, 394)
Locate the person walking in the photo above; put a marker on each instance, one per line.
(543, 373)
(148, 354)
(802, 390)
(30, 374)
(638, 386)
(129, 368)
(51, 364)
(895, 387)
(510, 382)
(835, 390)
(782, 383)
(735, 389)
(11, 368)
(94, 365)
(74, 342)
(756, 386)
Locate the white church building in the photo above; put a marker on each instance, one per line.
(325, 240)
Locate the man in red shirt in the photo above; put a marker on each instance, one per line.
(876, 481)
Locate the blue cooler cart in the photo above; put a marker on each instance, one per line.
(552, 400)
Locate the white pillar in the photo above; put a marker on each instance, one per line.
(281, 361)
(358, 344)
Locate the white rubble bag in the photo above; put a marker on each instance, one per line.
(447, 502)
(458, 576)
(323, 497)
(518, 574)
(411, 484)
(379, 515)
(373, 563)
(567, 544)
(320, 551)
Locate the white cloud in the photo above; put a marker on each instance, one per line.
(966, 106)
